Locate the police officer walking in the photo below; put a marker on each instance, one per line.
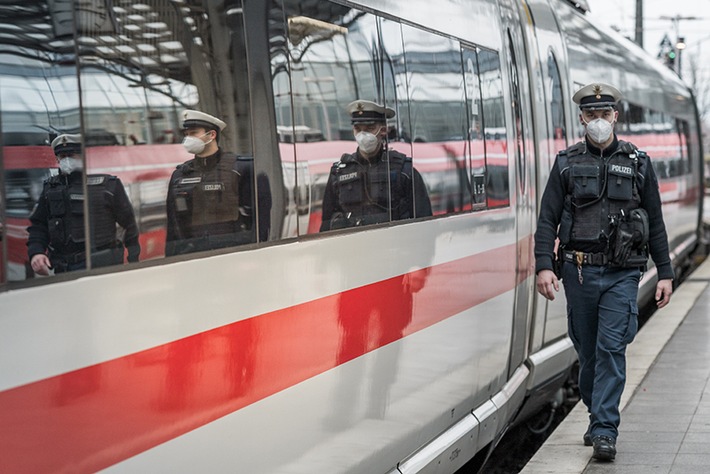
(374, 184)
(602, 202)
(209, 202)
(56, 234)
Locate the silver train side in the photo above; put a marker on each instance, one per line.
(234, 361)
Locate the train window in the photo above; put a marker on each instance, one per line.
(518, 127)
(475, 143)
(494, 129)
(39, 95)
(287, 134)
(334, 60)
(146, 68)
(3, 227)
(396, 91)
(138, 70)
(331, 56)
(681, 128)
(660, 135)
(437, 120)
(558, 132)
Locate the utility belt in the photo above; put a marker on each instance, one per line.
(637, 258)
(584, 258)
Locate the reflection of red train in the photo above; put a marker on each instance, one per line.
(443, 166)
(144, 171)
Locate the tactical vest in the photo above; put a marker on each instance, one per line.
(66, 213)
(363, 191)
(207, 199)
(602, 191)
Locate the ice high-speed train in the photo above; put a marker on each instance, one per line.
(408, 346)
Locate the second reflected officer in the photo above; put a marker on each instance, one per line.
(374, 184)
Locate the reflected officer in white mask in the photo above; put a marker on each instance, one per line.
(56, 235)
(210, 198)
(374, 184)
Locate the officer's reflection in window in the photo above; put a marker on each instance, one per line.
(210, 197)
(56, 233)
(364, 186)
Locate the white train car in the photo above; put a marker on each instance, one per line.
(408, 346)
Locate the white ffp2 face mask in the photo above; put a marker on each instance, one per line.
(70, 164)
(599, 130)
(194, 145)
(367, 142)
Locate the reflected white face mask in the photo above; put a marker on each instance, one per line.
(367, 142)
(194, 145)
(599, 130)
(70, 164)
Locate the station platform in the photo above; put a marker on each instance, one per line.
(665, 418)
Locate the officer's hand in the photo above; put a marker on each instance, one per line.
(41, 264)
(664, 289)
(546, 282)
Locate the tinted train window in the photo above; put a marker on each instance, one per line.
(140, 66)
(398, 86)
(475, 136)
(557, 105)
(149, 64)
(661, 136)
(436, 117)
(39, 95)
(334, 59)
(518, 128)
(332, 53)
(494, 129)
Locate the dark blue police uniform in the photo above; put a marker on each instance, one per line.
(377, 187)
(57, 222)
(605, 208)
(361, 192)
(211, 199)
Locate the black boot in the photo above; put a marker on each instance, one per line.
(604, 448)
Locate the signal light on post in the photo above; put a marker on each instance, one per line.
(670, 59)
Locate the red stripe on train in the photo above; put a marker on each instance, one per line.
(91, 418)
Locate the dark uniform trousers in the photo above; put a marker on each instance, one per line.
(606, 210)
(602, 319)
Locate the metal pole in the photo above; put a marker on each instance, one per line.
(638, 37)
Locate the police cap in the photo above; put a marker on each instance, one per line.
(597, 96)
(67, 144)
(197, 119)
(365, 111)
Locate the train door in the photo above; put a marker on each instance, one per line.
(522, 154)
(549, 318)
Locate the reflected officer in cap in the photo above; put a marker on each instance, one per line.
(56, 233)
(374, 184)
(602, 202)
(210, 197)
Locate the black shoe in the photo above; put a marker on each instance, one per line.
(587, 438)
(604, 448)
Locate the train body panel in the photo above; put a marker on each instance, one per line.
(398, 347)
